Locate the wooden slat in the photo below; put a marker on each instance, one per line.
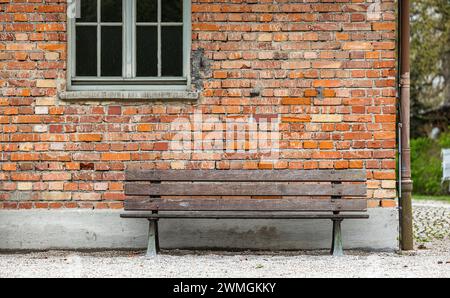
(240, 215)
(239, 189)
(248, 175)
(313, 205)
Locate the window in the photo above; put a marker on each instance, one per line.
(130, 45)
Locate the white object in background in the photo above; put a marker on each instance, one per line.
(435, 132)
(445, 164)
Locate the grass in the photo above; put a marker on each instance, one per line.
(432, 198)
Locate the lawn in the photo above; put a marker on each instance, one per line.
(432, 198)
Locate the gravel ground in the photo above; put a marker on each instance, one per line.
(431, 221)
(431, 260)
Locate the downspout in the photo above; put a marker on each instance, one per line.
(406, 184)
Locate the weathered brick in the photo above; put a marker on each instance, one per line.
(116, 156)
(46, 83)
(56, 196)
(320, 67)
(88, 138)
(87, 196)
(388, 203)
(326, 118)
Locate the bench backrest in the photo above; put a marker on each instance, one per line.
(246, 190)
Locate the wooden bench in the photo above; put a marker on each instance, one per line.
(246, 194)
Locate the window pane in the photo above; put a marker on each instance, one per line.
(147, 11)
(111, 51)
(88, 11)
(172, 10)
(111, 10)
(86, 51)
(147, 51)
(172, 50)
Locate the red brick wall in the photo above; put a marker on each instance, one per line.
(326, 70)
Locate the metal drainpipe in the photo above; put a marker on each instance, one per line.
(406, 228)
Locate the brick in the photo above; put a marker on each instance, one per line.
(52, 56)
(40, 128)
(114, 110)
(310, 144)
(387, 26)
(87, 196)
(41, 110)
(101, 186)
(388, 184)
(220, 74)
(24, 186)
(145, 127)
(388, 203)
(326, 64)
(45, 101)
(265, 37)
(296, 101)
(356, 164)
(373, 203)
(116, 156)
(357, 45)
(24, 157)
(56, 196)
(56, 176)
(88, 137)
(178, 165)
(320, 67)
(296, 119)
(46, 83)
(9, 167)
(385, 118)
(161, 146)
(326, 118)
(55, 185)
(326, 145)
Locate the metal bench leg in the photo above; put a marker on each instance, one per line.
(336, 246)
(153, 241)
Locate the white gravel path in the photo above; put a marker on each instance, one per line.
(424, 263)
(434, 261)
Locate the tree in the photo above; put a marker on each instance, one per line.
(430, 56)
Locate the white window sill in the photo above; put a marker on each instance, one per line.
(139, 95)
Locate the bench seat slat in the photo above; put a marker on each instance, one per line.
(266, 215)
(238, 189)
(308, 205)
(248, 175)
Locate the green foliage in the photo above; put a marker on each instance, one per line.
(426, 165)
(430, 58)
(444, 140)
(432, 198)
